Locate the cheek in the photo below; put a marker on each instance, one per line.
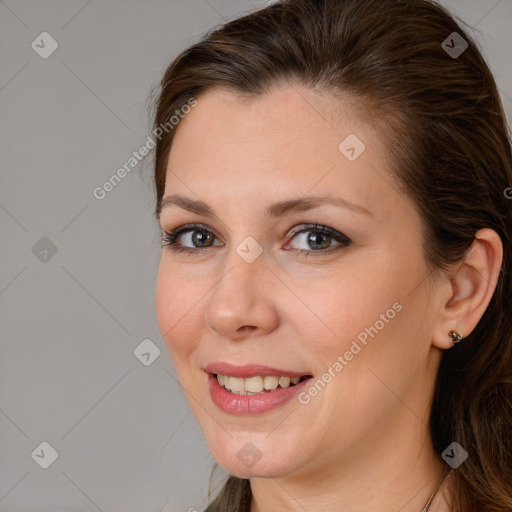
(362, 316)
(340, 307)
(175, 312)
(377, 338)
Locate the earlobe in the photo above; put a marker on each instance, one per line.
(470, 289)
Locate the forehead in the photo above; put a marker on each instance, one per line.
(291, 112)
(284, 143)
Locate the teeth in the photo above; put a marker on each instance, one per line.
(236, 385)
(284, 382)
(270, 382)
(255, 385)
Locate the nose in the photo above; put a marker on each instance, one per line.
(242, 302)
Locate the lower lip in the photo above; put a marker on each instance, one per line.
(245, 405)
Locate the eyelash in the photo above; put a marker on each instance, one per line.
(169, 238)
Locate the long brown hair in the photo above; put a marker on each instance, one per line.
(446, 134)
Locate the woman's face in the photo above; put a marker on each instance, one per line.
(356, 316)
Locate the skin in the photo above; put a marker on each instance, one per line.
(364, 440)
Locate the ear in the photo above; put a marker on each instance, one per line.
(470, 288)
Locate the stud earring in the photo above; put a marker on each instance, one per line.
(455, 336)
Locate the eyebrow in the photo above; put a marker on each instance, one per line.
(273, 211)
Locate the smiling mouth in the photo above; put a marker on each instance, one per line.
(257, 385)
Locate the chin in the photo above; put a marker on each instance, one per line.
(253, 454)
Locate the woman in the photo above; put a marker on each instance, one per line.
(334, 288)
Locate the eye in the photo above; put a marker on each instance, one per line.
(196, 234)
(199, 236)
(319, 238)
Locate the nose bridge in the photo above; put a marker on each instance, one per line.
(245, 253)
(244, 269)
(239, 298)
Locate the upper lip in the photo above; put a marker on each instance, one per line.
(249, 370)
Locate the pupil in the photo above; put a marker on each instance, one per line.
(199, 238)
(313, 236)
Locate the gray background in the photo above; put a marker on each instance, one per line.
(125, 439)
